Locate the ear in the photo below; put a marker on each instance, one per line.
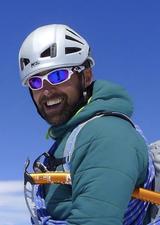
(88, 77)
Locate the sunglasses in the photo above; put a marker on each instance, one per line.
(54, 77)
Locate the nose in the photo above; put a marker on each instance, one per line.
(46, 92)
(47, 86)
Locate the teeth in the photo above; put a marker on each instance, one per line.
(53, 101)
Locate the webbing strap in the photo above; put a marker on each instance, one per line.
(137, 209)
(70, 143)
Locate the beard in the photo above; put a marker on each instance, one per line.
(63, 111)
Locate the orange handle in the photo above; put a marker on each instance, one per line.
(64, 178)
(147, 195)
(51, 178)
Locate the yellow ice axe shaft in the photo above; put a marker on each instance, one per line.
(147, 195)
(64, 178)
(51, 178)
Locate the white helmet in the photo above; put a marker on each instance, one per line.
(52, 46)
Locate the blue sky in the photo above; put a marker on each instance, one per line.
(125, 40)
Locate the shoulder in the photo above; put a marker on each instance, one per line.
(112, 139)
(110, 127)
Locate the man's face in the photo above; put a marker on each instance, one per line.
(58, 103)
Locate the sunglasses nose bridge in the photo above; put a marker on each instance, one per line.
(46, 84)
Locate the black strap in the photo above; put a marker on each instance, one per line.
(47, 162)
(53, 162)
(117, 114)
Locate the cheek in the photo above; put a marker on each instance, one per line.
(73, 97)
(73, 93)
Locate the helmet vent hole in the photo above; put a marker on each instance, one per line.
(73, 33)
(46, 53)
(50, 52)
(73, 39)
(70, 50)
(24, 62)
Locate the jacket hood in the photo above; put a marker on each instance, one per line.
(106, 96)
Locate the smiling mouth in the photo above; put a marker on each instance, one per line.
(53, 102)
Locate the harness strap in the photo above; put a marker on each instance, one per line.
(70, 143)
(116, 114)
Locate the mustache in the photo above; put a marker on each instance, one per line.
(44, 98)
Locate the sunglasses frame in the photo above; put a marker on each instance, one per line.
(70, 70)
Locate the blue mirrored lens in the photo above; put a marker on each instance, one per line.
(35, 82)
(59, 76)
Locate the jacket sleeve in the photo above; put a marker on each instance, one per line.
(109, 161)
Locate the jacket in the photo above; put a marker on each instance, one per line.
(109, 160)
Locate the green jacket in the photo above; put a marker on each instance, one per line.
(110, 159)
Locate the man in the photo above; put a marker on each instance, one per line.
(110, 157)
